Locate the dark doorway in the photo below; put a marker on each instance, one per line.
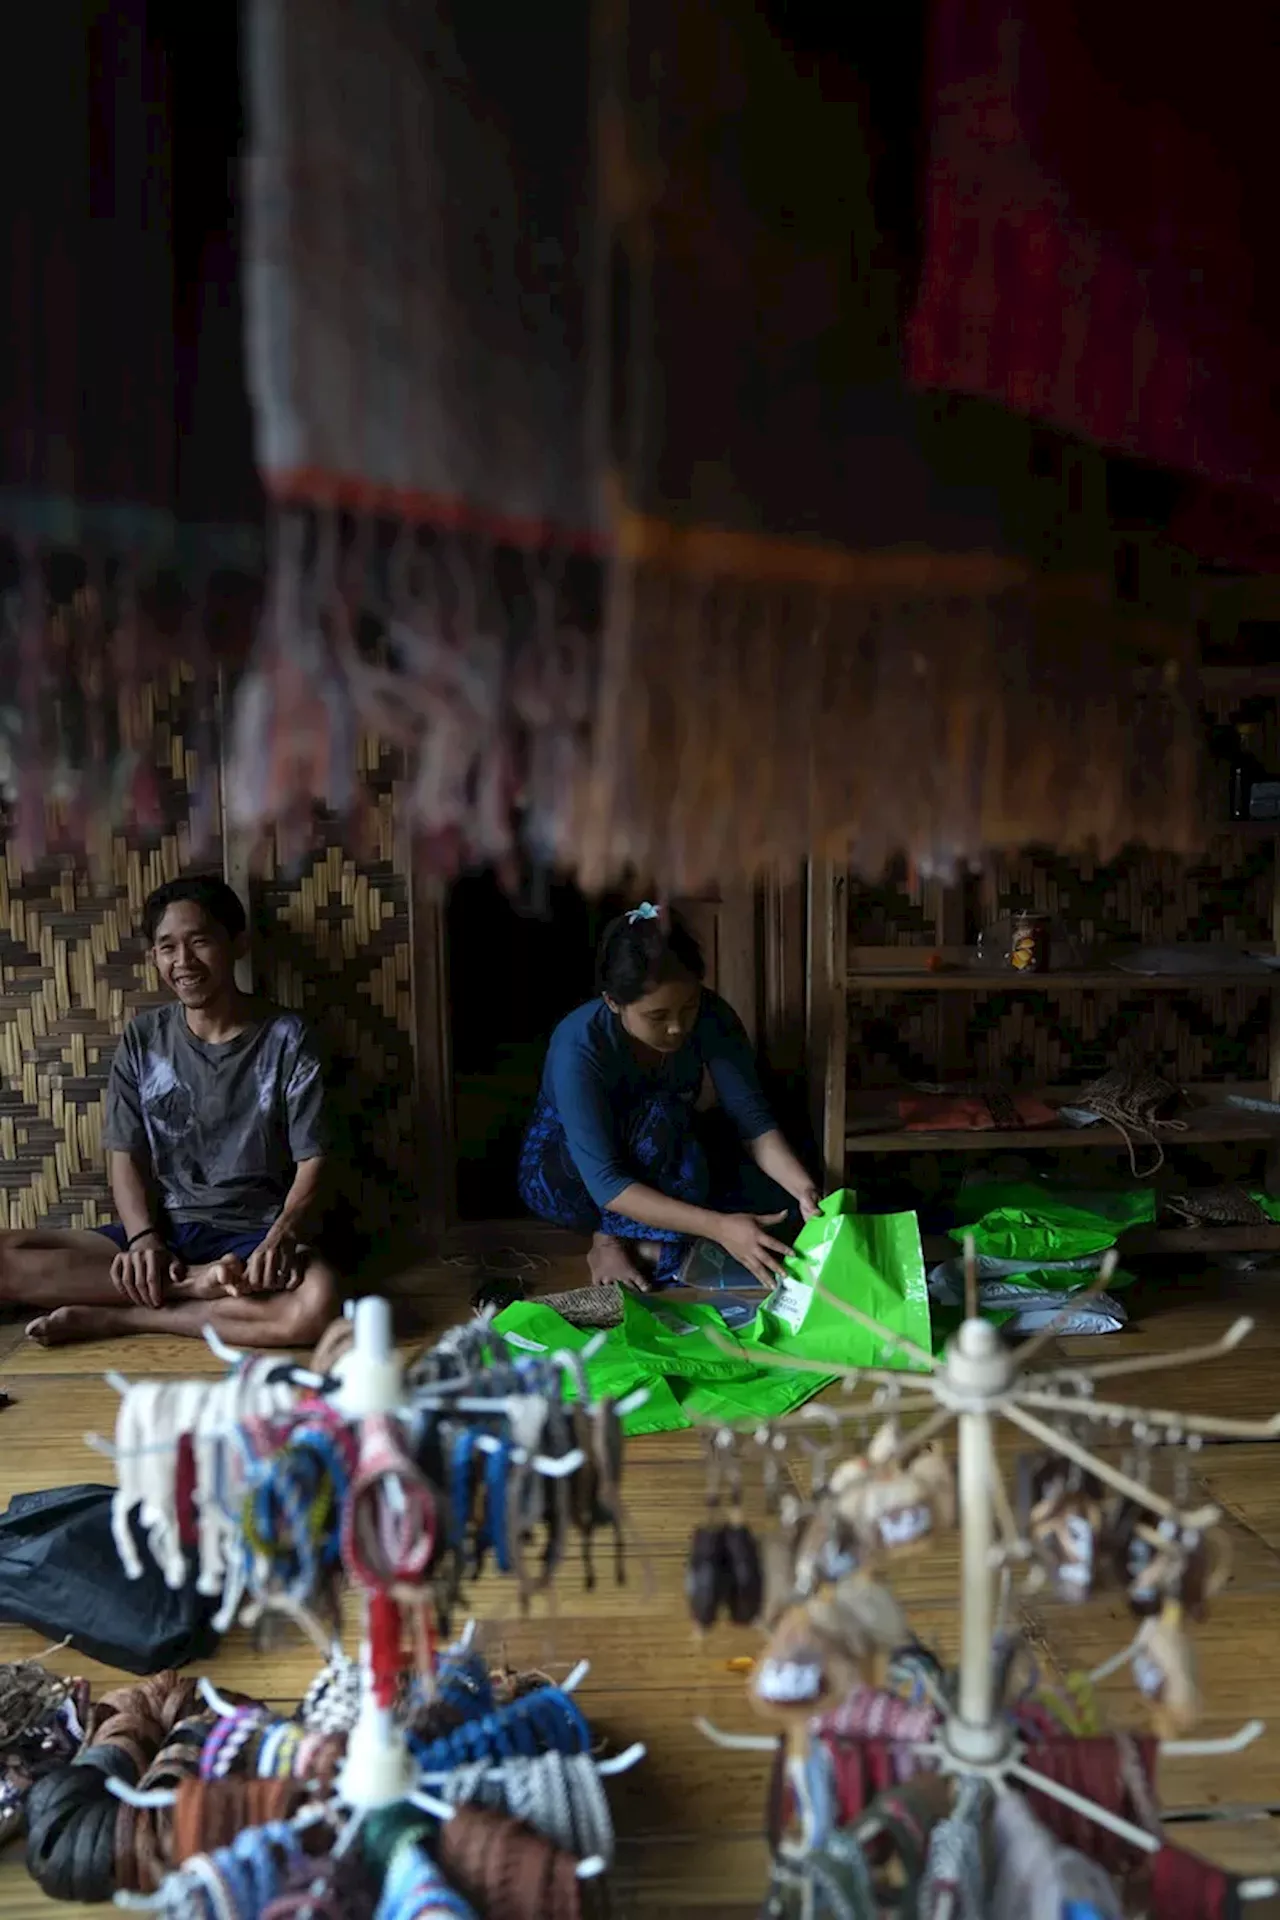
(512, 975)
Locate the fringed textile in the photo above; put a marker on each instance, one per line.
(554, 301)
(1098, 207)
(105, 579)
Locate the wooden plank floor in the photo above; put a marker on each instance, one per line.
(690, 1815)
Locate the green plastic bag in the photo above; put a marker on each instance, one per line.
(1019, 1220)
(667, 1344)
(872, 1260)
(612, 1373)
(671, 1336)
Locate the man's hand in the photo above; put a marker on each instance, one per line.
(143, 1273)
(277, 1266)
(743, 1236)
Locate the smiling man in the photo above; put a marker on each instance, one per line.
(216, 1154)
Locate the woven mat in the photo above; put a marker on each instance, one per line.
(587, 1306)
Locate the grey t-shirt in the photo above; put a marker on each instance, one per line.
(223, 1127)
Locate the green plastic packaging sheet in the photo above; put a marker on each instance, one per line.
(1018, 1220)
(873, 1261)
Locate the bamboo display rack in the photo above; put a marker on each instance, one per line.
(979, 1381)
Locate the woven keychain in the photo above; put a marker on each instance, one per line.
(245, 1416)
(894, 1508)
(559, 1795)
(236, 1882)
(292, 1513)
(1036, 1877)
(724, 1570)
(1165, 1672)
(415, 1889)
(546, 1720)
(389, 1530)
(151, 1415)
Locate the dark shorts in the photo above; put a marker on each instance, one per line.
(196, 1243)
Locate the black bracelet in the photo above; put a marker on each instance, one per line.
(143, 1234)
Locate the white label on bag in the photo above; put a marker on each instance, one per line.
(790, 1302)
(521, 1340)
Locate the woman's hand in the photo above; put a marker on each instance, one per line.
(143, 1273)
(743, 1236)
(809, 1201)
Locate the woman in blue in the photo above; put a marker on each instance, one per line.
(616, 1144)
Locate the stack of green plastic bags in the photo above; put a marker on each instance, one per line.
(1036, 1245)
(873, 1261)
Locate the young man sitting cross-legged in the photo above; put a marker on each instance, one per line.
(215, 1148)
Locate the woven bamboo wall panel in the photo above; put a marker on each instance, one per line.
(893, 1037)
(332, 939)
(1034, 1038)
(1148, 897)
(73, 971)
(893, 912)
(1037, 1039)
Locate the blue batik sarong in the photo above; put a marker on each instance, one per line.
(665, 1147)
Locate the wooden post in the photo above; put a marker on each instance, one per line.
(827, 1002)
(782, 987)
(1272, 1175)
(952, 1010)
(433, 1050)
(736, 944)
(235, 843)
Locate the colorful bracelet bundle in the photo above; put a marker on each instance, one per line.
(408, 1783)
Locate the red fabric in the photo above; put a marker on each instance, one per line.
(184, 1493)
(1184, 1887)
(1101, 239)
(386, 1660)
(1090, 1767)
(957, 1113)
(862, 1769)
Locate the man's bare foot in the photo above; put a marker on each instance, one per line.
(66, 1325)
(611, 1263)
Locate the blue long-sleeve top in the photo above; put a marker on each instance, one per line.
(593, 1079)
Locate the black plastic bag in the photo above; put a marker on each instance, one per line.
(60, 1576)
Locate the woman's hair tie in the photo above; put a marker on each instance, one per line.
(644, 949)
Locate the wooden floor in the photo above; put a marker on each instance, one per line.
(691, 1815)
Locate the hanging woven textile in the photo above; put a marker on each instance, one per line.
(1097, 251)
(582, 380)
(817, 578)
(104, 580)
(417, 287)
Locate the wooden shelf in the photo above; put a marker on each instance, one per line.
(1059, 980)
(1204, 1131)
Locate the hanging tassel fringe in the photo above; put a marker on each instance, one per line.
(724, 724)
(743, 724)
